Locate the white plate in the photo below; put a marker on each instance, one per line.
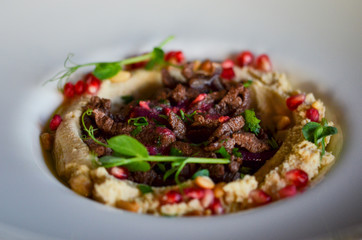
(317, 43)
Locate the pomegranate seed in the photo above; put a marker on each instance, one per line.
(199, 98)
(92, 84)
(216, 207)
(144, 104)
(245, 58)
(228, 63)
(69, 90)
(297, 177)
(79, 87)
(294, 101)
(176, 56)
(194, 193)
(171, 197)
(228, 73)
(223, 119)
(167, 111)
(119, 172)
(263, 63)
(288, 191)
(208, 198)
(260, 197)
(313, 114)
(55, 122)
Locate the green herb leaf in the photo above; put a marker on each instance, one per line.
(247, 84)
(175, 152)
(273, 143)
(145, 188)
(157, 57)
(136, 131)
(237, 153)
(202, 172)
(316, 133)
(163, 116)
(106, 70)
(127, 99)
(127, 146)
(161, 167)
(182, 114)
(131, 164)
(223, 152)
(139, 121)
(251, 122)
(309, 129)
(169, 173)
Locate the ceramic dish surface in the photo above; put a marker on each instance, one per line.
(318, 45)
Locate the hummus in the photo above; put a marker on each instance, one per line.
(74, 162)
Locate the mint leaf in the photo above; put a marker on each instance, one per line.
(309, 129)
(202, 172)
(223, 152)
(106, 70)
(127, 146)
(145, 188)
(251, 122)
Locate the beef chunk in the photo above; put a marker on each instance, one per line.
(177, 125)
(99, 150)
(227, 128)
(179, 93)
(250, 142)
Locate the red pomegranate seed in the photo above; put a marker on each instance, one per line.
(228, 63)
(144, 104)
(79, 87)
(228, 73)
(297, 177)
(263, 63)
(199, 98)
(208, 198)
(260, 197)
(223, 119)
(69, 90)
(55, 122)
(288, 191)
(245, 58)
(167, 111)
(171, 197)
(194, 193)
(312, 114)
(177, 56)
(92, 84)
(216, 207)
(294, 101)
(119, 172)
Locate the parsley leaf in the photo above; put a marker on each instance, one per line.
(237, 153)
(223, 152)
(251, 122)
(127, 146)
